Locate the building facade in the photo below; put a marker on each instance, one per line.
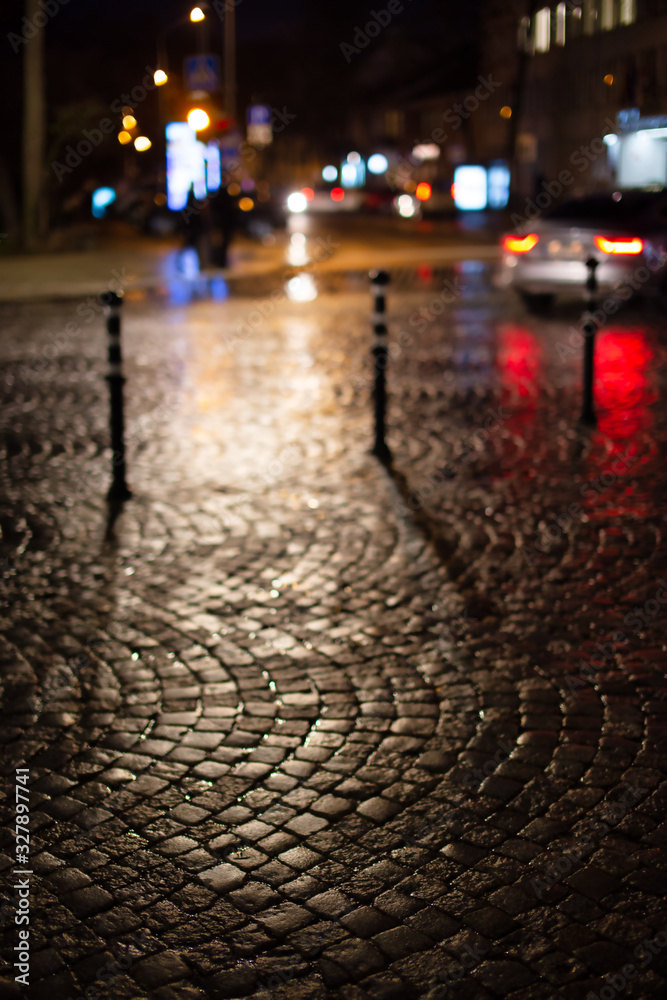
(578, 69)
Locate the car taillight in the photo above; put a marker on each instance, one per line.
(520, 244)
(622, 244)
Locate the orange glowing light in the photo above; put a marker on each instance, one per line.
(423, 191)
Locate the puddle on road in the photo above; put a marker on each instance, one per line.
(302, 280)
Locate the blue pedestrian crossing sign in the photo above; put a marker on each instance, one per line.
(202, 73)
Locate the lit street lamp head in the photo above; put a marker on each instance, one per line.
(198, 119)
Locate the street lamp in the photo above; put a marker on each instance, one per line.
(229, 51)
(198, 119)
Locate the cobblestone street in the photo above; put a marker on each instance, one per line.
(300, 728)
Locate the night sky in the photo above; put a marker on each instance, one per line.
(288, 54)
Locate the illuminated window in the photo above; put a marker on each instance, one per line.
(590, 16)
(608, 11)
(543, 30)
(628, 11)
(561, 12)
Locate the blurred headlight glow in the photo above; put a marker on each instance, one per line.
(426, 151)
(142, 143)
(297, 202)
(159, 77)
(377, 163)
(406, 206)
(301, 288)
(329, 173)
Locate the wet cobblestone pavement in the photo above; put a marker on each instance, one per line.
(298, 729)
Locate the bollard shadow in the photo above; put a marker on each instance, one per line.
(115, 507)
(384, 456)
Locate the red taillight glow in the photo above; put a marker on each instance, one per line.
(622, 244)
(308, 193)
(337, 194)
(520, 244)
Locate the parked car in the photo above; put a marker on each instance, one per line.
(625, 231)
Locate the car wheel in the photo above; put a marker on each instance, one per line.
(537, 303)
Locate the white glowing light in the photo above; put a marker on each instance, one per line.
(377, 163)
(426, 151)
(297, 202)
(406, 206)
(301, 288)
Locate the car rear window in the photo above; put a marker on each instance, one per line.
(604, 208)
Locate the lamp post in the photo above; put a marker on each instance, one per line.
(230, 59)
(196, 15)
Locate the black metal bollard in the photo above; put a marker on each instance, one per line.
(588, 410)
(119, 489)
(379, 282)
